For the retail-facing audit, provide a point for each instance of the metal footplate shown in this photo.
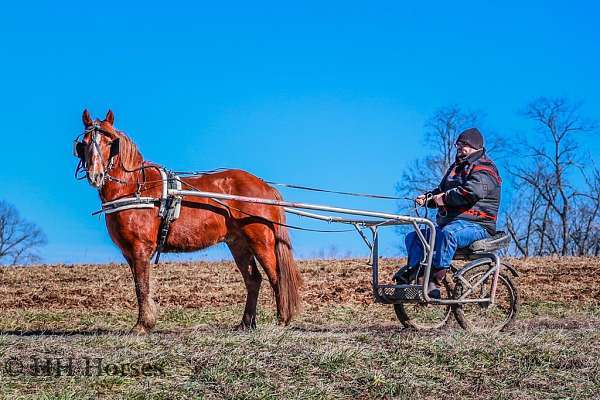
(390, 294)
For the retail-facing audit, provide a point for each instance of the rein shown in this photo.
(428, 197)
(293, 186)
(271, 221)
(313, 189)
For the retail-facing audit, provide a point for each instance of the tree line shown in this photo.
(551, 185)
(20, 239)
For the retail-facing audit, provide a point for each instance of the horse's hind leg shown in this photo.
(246, 263)
(274, 255)
(264, 250)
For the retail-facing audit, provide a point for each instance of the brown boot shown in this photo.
(435, 282)
(432, 289)
(438, 275)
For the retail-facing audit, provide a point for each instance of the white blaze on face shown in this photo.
(96, 162)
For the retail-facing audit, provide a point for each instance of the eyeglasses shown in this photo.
(460, 144)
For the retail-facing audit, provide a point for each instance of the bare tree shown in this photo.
(19, 239)
(521, 221)
(585, 232)
(441, 131)
(548, 172)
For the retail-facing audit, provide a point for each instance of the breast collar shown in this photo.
(169, 181)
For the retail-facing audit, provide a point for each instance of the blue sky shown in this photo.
(331, 94)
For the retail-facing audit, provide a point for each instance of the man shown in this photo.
(467, 200)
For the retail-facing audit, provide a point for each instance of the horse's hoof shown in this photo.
(242, 327)
(139, 330)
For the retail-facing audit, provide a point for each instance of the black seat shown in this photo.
(499, 241)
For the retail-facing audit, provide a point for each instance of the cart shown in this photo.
(481, 293)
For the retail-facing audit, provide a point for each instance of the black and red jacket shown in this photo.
(471, 190)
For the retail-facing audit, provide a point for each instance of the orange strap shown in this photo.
(491, 171)
(479, 214)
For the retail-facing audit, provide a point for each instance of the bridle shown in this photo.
(80, 148)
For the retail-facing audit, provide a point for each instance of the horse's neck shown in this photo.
(123, 184)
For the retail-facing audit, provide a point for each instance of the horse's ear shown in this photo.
(87, 118)
(110, 117)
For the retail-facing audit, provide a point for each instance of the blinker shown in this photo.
(114, 148)
(79, 150)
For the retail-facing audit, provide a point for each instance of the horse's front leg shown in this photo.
(140, 268)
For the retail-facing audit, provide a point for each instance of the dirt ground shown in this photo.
(216, 284)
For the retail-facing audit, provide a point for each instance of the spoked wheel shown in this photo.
(486, 316)
(421, 316)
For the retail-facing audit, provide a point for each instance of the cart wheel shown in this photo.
(423, 316)
(483, 316)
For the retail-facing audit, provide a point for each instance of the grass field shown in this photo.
(342, 346)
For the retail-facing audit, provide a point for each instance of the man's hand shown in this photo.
(438, 199)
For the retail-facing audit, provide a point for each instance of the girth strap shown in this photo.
(170, 207)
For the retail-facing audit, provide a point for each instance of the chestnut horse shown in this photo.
(253, 232)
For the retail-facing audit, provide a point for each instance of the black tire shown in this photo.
(483, 316)
(421, 316)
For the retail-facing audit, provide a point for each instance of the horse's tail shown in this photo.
(290, 280)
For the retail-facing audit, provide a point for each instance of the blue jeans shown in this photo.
(454, 235)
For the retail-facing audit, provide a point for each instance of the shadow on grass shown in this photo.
(390, 329)
(60, 332)
(378, 329)
(549, 323)
(204, 328)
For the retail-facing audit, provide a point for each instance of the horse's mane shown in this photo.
(128, 152)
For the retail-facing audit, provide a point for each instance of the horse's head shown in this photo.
(101, 144)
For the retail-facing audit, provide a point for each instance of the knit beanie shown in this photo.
(472, 137)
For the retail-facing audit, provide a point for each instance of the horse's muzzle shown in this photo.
(96, 180)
